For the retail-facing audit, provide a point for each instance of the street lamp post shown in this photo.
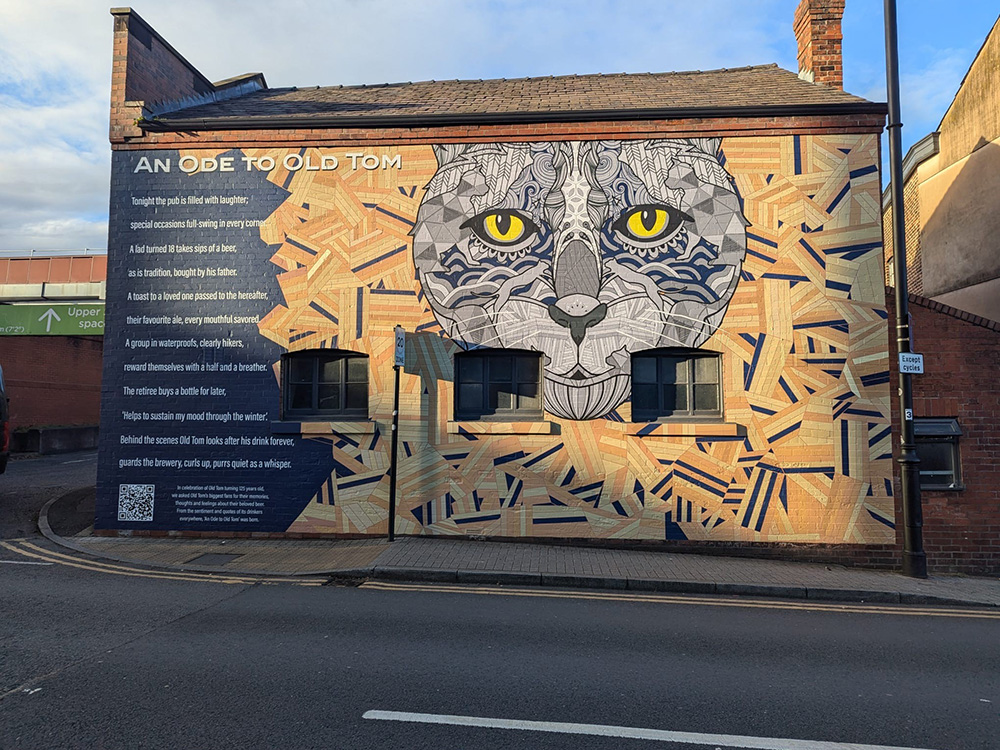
(914, 558)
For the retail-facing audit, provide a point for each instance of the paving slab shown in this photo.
(436, 559)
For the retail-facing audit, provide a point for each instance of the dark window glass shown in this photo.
(325, 383)
(499, 384)
(300, 370)
(331, 371)
(937, 449)
(672, 383)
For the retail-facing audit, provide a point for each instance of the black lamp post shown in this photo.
(914, 558)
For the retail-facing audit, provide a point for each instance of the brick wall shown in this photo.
(346, 137)
(817, 27)
(961, 360)
(912, 226)
(145, 70)
(52, 380)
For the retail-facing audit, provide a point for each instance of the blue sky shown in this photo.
(55, 62)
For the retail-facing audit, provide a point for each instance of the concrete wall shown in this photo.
(951, 203)
(960, 218)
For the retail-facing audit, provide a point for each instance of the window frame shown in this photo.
(314, 412)
(461, 411)
(688, 358)
(939, 431)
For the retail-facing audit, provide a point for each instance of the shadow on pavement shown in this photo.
(73, 512)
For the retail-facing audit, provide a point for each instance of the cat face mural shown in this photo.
(585, 251)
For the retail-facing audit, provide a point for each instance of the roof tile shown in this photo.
(754, 86)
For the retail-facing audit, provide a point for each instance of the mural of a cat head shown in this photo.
(585, 251)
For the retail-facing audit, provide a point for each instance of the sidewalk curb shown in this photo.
(544, 580)
(541, 580)
(347, 574)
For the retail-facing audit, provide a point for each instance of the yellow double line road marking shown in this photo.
(654, 598)
(27, 549)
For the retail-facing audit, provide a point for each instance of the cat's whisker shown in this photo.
(672, 320)
(495, 324)
(670, 315)
(682, 326)
(658, 331)
(644, 342)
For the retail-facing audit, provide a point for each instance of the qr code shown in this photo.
(135, 502)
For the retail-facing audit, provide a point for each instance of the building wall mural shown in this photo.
(764, 249)
(584, 251)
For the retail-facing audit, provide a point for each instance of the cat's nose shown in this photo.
(578, 312)
(577, 270)
(576, 305)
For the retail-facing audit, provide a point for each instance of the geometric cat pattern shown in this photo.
(804, 453)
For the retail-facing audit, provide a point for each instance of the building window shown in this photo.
(498, 384)
(937, 448)
(676, 384)
(325, 383)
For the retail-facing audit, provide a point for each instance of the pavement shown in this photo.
(449, 560)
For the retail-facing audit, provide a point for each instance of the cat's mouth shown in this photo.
(579, 376)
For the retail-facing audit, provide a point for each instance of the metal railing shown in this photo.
(42, 254)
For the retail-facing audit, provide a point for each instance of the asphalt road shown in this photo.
(29, 483)
(123, 659)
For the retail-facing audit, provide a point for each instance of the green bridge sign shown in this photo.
(52, 320)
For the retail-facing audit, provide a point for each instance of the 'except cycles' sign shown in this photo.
(52, 320)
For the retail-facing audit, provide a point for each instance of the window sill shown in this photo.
(942, 487)
(350, 427)
(686, 429)
(540, 427)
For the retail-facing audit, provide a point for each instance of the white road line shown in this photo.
(632, 733)
(21, 562)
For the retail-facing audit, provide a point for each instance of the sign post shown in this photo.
(399, 359)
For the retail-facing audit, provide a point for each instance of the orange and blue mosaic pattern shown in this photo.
(804, 451)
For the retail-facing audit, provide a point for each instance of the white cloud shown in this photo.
(927, 92)
(55, 69)
(55, 63)
(63, 233)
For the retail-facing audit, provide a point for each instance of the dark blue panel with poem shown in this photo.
(189, 390)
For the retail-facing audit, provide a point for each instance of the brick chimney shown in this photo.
(818, 33)
(149, 77)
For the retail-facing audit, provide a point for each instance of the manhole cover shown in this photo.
(213, 558)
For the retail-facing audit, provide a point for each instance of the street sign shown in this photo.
(400, 358)
(52, 320)
(911, 364)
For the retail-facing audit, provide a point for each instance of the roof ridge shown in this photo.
(394, 84)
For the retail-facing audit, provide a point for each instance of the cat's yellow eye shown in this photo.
(647, 223)
(504, 227)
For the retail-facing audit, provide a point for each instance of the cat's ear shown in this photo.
(448, 153)
(708, 146)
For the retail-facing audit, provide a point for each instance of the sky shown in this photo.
(55, 66)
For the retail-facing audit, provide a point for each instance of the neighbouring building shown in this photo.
(956, 402)
(951, 184)
(636, 307)
(51, 343)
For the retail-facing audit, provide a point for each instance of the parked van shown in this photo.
(4, 425)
